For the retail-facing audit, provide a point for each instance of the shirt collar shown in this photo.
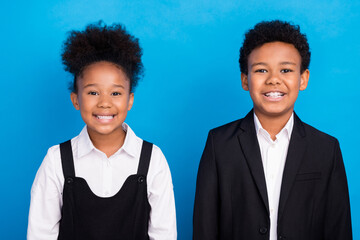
(130, 144)
(85, 145)
(287, 129)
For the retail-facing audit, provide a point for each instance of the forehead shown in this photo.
(103, 74)
(275, 52)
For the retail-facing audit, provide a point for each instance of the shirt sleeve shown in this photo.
(162, 223)
(46, 201)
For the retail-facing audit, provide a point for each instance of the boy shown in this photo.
(269, 175)
(106, 183)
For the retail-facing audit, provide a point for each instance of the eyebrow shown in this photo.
(94, 85)
(264, 64)
(257, 64)
(119, 86)
(288, 63)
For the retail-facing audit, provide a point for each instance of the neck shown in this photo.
(273, 124)
(108, 143)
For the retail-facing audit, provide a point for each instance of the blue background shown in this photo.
(191, 84)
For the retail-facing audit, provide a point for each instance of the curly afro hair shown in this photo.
(99, 42)
(272, 31)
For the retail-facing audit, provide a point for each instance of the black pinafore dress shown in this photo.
(85, 216)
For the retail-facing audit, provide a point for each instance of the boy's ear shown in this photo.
(304, 79)
(131, 101)
(74, 100)
(244, 82)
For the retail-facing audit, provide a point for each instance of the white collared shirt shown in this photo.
(273, 155)
(105, 176)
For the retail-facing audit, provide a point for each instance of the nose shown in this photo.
(273, 79)
(104, 101)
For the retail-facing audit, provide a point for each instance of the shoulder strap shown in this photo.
(145, 158)
(67, 160)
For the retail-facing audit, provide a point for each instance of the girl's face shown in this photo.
(103, 98)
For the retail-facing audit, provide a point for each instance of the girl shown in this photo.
(105, 183)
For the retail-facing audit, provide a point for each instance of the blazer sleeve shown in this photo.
(338, 220)
(205, 221)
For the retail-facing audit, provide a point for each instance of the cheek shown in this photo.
(254, 86)
(121, 104)
(86, 102)
(82, 101)
(297, 84)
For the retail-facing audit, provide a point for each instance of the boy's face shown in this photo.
(274, 79)
(103, 98)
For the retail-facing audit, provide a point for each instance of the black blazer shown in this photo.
(231, 198)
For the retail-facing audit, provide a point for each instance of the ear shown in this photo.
(304, 79)
(244, 82)
(74, 100)
(131, 101)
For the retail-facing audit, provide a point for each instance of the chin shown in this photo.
(274, 112)
(279, 113)
(104, 130)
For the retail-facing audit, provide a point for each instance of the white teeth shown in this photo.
(105, 117)
(274, 94)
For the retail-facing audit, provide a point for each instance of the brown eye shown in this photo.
(116, 93)
(286, 70)
(93, 93)
(261, 70)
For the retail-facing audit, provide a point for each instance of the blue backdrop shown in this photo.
(191, 84)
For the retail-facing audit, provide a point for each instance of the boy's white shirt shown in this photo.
(46, 192)
(273, 155)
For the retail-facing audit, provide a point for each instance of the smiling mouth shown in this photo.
(274, 94)
(105, 117)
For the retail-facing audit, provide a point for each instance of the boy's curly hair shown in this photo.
(99, 42)
(272, 31)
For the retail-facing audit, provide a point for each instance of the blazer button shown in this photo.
(263, 230)
(69, 180)
(141, 179)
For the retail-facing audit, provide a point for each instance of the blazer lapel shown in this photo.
(296, 150)
(250, 147)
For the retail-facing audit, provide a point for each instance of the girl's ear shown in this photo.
(74, 100)
(244, 82)
(131, 101)
(304, 79)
